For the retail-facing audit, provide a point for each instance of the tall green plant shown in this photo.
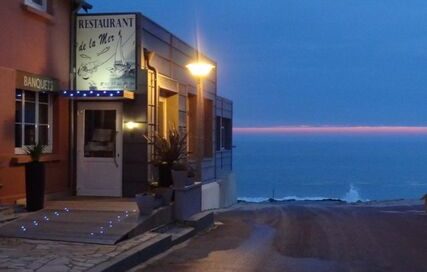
(35, 151)
(170, 149)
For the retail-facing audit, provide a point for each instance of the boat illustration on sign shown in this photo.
(86, 70)
(121, 66)
(121, 72)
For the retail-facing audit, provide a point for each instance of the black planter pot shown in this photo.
(34, 185)
(165, 175)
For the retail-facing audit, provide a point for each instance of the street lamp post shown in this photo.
(199, 70)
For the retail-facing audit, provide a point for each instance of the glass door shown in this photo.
(99, 147)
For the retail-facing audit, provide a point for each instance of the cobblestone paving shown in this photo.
(43, 256)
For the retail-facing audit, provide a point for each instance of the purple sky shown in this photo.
(307, 62)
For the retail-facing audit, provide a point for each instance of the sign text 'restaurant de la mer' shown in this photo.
(106, 22)
(106, 51)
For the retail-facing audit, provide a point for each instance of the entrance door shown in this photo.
(99, 149)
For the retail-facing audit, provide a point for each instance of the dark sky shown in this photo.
(307, 62)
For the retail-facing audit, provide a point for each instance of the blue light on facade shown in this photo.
(92, 93)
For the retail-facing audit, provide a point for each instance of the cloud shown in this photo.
(335, 130)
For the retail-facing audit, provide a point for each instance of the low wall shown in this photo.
(210, 196)
(228, 193)
(219, 194)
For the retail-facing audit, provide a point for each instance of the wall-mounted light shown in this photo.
(131, 125)
(200, 69)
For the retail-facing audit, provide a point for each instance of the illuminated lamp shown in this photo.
(200, 69)
(131, 125)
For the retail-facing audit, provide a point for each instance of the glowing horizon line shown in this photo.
(412, 130)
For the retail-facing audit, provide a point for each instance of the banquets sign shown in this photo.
(106, 52)
(33, 82)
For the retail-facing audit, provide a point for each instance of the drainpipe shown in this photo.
(148, 56)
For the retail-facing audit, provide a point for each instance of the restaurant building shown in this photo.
(34, 67)
(92, 105)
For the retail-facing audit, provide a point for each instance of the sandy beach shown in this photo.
(307, 236)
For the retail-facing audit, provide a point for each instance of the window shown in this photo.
(37, 4)
(208, 129)
(163, 128)
(218, 128)
(100, 133)
(33, 120)
(224, 133)
(227, 134)
(192, 124)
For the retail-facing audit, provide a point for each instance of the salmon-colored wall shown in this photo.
(36, 44)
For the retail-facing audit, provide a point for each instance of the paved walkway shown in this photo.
(296, 237)
(78, 231)
(37, 255)
(97, 227)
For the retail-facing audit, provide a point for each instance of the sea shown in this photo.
(316, 167)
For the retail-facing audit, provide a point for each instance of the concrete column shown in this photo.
(200, 120)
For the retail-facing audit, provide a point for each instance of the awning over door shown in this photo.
(98, 95)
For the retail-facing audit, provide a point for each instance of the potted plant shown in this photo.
(165, 193)
(183, 175)
(35, 177)
(180, 175)
(145, 202)
(168, 150)
(191, 174)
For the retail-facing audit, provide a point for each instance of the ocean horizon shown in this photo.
(315, 167)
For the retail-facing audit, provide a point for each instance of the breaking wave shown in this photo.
(351, 196)
(286, 198)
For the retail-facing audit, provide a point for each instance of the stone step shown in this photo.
(163, 239)
(201, 221)
(7, 213)
(6, 210)
(179, 233)
(7, 218)
(157, 244)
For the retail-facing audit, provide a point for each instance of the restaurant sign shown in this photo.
(106, 52)
(33, 82)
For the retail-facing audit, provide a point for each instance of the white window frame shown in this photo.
(49, 147)
(42, 7)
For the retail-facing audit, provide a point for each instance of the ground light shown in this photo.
(101, 230)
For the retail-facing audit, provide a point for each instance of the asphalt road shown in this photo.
(313, 237)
